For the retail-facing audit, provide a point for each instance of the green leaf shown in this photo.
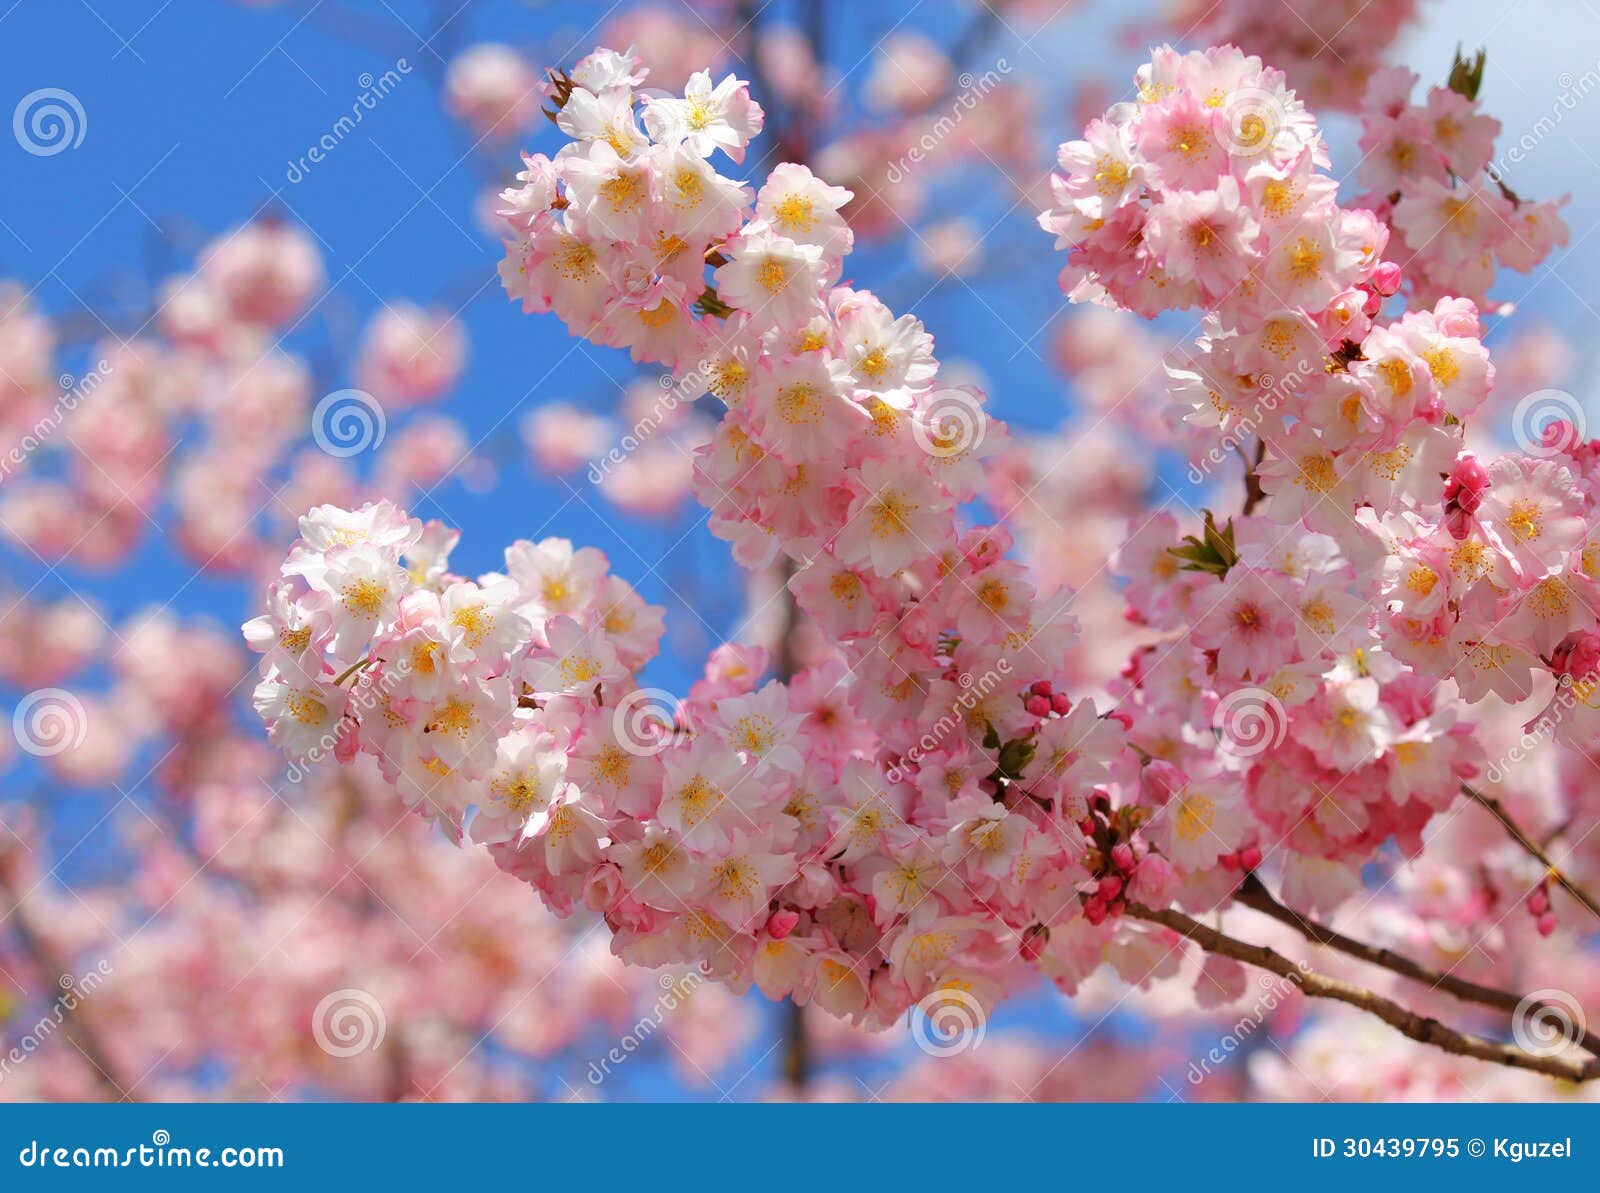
(1015, 756)
(1213, 552)
(709, 304)
(1466, 74)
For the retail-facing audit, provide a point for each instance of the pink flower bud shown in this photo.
(1539, 902)
(1033, 942)
(1160, 779)
(1547, 923)
(1110, 887)
(781, 922)
(1250, 858)
(1061, 704)
(1041, 687)
(1154, 881)
(1094, 911)
(603, 887)
(1560, 435)
(1386, 278)
(1037, 706)
(1122, 856)
(1577, 655)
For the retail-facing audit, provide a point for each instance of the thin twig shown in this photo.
(79, 1031)
(1254, 494)
(1254, 895)
(796, 1048)
(1534, 849)
(1421, 1028)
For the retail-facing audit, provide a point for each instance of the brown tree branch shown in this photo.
(1533, 848)
(1418, 1027)
(80, 1033)
(1254, 494)
(796, 1049)
(1253, 894)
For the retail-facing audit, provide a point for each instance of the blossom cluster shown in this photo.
(1330, 48)
(929, 808)
(1376, 557)
(1427, 169)
(913, 812)
(207, 410)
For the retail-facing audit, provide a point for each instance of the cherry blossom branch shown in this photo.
(79, 1031)
(1533, 848)
(1254, 894)
(1254, 494)
(1423, 1029)
(796, 1048)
